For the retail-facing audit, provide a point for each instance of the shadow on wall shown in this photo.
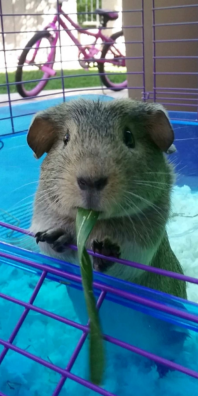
(20, 29)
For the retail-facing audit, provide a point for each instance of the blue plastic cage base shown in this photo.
(163, 320)
(137, 334)
(23, 113)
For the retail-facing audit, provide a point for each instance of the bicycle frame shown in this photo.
(93, 50)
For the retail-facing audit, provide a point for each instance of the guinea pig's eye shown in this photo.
(66, 138)
(129, 138)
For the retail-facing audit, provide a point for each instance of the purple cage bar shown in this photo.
(66, 373)
(167, 95)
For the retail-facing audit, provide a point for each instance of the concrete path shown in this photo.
(56, 93)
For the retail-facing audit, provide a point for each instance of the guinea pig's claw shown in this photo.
(97, 246)
(106, 248)
(57, 238)
(61, 243)
(40, 236)
(163, 370)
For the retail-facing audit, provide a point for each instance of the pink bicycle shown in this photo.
(111, 63)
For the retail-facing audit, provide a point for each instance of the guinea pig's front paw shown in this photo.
(57, 238)
(106, 248)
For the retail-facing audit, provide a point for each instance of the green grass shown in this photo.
(85, 80)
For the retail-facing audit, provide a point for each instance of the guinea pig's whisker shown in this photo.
(47, 197)
(193, 138)
(49, 184)
(177, 164)
(133, 205)
(162, 173)
(155, 207)
(143, 199)
(21, 200)
(157, 173)
(181, 169)
(52, 179)
(153, 182)
(149, 221)
(24, 185)
(148, 185)
(18, 188)
(42, 198)
(128, 216)
(176, 173)
(180, 127)
(142, 222)
(50, 203)
(48, 189)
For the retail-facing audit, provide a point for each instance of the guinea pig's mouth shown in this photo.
(95, 208)
(101, 214)
(91, 200)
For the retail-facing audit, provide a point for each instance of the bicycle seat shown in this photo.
(108, 15)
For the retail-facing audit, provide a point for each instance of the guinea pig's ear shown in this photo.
(160, 129)
(41, 135)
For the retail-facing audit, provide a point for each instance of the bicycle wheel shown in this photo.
(113, 72)
(37, 53)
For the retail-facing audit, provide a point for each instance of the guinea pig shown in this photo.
(108, 157)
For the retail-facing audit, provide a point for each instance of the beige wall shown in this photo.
(165, 49)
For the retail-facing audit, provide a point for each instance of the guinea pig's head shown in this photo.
(105, 156)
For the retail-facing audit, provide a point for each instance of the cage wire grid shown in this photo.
(43, 271)
(171, 97)
(11, 100)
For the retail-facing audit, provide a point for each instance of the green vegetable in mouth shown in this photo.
(85, 221)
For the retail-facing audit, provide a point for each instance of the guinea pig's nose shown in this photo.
(86, 183)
